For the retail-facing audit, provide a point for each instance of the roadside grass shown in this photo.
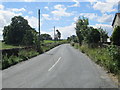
(48, 41)
(26, 54)
(103, 57)
(22, 56)
(52, 41)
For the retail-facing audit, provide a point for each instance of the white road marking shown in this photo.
(54, 64)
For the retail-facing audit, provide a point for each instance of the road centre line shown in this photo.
(54, 64)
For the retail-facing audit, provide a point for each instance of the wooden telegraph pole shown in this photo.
(39, 23)
(39, 47)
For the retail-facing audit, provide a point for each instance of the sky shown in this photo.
(63, 15)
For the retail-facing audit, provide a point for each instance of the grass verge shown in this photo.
(26, 54)
(108, 57)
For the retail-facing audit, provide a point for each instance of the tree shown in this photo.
(103, 35)
(80, 36)
(82, 29)
(115, 38)
(93, 36)
(58, 34)
(17, 31)
(28, 38)
(45, 37)
(73, 38)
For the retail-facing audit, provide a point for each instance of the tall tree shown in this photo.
(17, 31)
(58, 34)
(103, 35)
(82, 28)
(93, 36)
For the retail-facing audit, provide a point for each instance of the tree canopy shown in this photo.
(88, 34)
(58, 34)
(45, 37)
(18, 32)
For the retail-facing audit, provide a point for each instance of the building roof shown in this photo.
(115, 18)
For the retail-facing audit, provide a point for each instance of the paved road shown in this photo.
(61, 67)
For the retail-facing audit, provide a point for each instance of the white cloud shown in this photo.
(29, 0)
(93, 16)
(77, 4)
(1, 7)
(46, 16)
(67, 31)
(5, 19)
(106, 27)
(46, 8)
(60, 11)
(89, 15)
(32, 21)
(75, 19)
(17, 10)
(105, 18)
(30, 12)
(104, 6)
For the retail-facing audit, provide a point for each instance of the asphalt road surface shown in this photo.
(61, 67)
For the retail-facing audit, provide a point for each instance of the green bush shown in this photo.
(8, 61)
(22, 55)
(5, 62)
(107, 57)
(26, 54)
(114, 54)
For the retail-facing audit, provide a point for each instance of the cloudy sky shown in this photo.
(60, 14)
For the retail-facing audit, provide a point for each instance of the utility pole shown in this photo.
(39, 23)
(54, 33)
(39, 47)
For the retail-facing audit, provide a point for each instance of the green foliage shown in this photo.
(58, 34)
(26, 54)
(115, 38)
(48, 41)
(88, 34)
(93, 36)
(80, 36)
(7, 46)
(22, 55)
(45, 37)
(81, 28)
(103, 35)
(28, 38)
(108, 57)
(114, 53)
(17, 31)
(73, 38)
(8, 61)
(47, 44)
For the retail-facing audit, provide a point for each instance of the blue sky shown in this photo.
(63, 15)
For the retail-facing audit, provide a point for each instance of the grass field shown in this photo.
(51, 41)
(6, 46)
